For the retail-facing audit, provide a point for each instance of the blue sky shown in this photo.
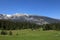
(50, 8)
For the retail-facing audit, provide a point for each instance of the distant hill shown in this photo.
(29, 18)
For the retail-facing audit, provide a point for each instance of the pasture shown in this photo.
(28, 34)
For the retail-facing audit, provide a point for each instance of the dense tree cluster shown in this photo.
(54, 26)
(10, 25)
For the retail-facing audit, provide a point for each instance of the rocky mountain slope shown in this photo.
(29, 18)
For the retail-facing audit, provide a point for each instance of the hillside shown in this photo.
(29, 18)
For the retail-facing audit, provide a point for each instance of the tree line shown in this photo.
(53, 26)
(10, 25)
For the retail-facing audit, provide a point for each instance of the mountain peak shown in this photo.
(29, 18)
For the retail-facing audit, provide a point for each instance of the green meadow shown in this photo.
(27, 34)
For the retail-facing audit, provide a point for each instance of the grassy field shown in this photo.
(32, 35)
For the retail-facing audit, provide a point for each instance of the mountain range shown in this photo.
(29, 18)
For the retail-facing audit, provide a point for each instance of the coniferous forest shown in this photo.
(10, 25)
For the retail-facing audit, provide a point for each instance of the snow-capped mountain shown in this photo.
(29, 18)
